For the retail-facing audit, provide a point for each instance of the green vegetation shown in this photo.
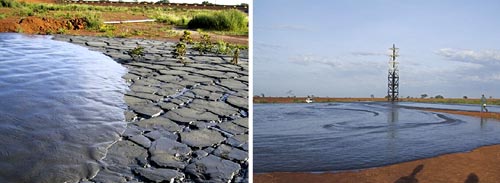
(180, 51)
(137, 52)
(40, 7)
(94, 21)
(106, 28)
(205, 45)
(61, 31)
(180, 48)
(19, 30)
(9, 3)
(137, 33)
(186, 37)
(221, 47)
(226, 20)
(2, 16)
(171, 19)
(236, 54)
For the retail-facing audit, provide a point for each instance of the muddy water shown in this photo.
(345, 136)
(61, 106)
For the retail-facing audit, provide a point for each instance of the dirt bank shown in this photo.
(480, 165)
(50, 20)
(468, 113)
(37, 25)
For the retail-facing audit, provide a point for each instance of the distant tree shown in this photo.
(387, 96)
(243, 4)
(465, 97)
(164, 1)
(439, 97)
(206, 3)
(407, 96)
(424, 95)
(372, 96)
(262, 95)
(491, 97)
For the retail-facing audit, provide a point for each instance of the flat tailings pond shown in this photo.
(61, 107)
(323, 137)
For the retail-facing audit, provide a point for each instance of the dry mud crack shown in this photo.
(186, 122)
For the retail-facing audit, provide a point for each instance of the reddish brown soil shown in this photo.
(258, 99)
(36, 25)
(150, 30)
(481, 165)
(468, 113)
(39, 1)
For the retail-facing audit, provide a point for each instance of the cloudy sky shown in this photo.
(340, 48)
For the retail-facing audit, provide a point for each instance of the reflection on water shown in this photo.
(343, 136)
(61, 106)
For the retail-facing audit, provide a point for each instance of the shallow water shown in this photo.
(61, 106)
(345, 136)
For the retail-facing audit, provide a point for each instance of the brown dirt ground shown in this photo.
(258, 99)
(39, 1)
(480, 165)
(149, 30)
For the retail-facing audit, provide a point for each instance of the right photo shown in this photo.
(376, 91)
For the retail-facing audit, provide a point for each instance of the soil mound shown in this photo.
(45, 25)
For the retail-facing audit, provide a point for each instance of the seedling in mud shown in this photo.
(137, 52)
(222, 47)
(180, 51)
(186, 37)
(205, 45)
(236, 54)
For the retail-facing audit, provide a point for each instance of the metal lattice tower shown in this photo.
(393, 78)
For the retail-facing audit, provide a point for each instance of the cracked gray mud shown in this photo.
(185, 122)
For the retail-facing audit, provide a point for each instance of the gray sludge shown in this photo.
(186, 122)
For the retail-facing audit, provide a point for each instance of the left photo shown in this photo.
(124, 91)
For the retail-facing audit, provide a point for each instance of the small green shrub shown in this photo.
(2, 16)
(222, 47)
(186, 37)
(180, 51)
(106, 28)
(61, 31)
(236, 54)
(19, 30)
(170, 19)
(49, 32)
(24, 11)
(226, 20)
(9, 3)
(137, 33)
(136, 52)
(93, 21)
(205, 45)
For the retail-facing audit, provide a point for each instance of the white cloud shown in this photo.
(284, 27)
(365, 53)
(463, 55)
(340, 63)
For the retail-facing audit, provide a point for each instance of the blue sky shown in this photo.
(340, 48)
